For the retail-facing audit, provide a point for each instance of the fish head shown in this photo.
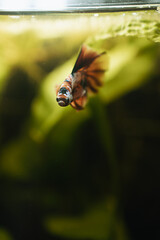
(64, 97)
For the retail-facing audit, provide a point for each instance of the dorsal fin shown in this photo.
(85, 58)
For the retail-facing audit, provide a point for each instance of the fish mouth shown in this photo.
(63, 101)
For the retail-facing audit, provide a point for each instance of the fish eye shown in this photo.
(63, 90)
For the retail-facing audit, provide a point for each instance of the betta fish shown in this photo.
(87, 76)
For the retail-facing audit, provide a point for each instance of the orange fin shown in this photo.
(95, 73)
(85, 58)
(93, 66)
(79, 103)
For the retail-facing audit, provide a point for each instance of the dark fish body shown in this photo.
(87, 76)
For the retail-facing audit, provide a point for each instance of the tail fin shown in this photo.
(94, 74)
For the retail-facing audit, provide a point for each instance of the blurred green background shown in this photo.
(93, 174)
